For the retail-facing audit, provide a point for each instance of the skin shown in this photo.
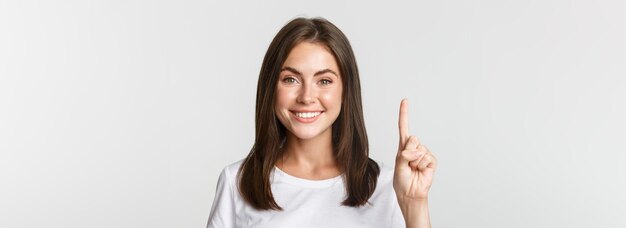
(413, 174)
(310, 80)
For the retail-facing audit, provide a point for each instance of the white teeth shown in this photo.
(307, 114)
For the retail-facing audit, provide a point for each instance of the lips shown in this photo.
(306, 116)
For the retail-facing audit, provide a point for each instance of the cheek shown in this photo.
(331, 98)
(283, 97)
(279, 107)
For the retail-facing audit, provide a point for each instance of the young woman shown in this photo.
(309, 165)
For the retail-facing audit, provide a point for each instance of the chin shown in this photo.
(306, 135)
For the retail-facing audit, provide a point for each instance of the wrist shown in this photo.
(410, 200)
(415, 211)
(413, 203)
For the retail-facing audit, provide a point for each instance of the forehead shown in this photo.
(311, 57)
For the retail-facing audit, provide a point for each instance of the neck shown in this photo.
(309, 155)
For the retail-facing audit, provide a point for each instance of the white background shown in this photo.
(123, 113)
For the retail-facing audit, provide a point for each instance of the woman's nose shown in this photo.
(307, 94)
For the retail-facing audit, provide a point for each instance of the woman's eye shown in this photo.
(325, 81)
(290, 80)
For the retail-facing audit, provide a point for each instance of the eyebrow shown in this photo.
(292, 70)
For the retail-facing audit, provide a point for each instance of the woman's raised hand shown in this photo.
(415, 164)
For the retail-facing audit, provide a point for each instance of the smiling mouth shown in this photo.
(307, 115)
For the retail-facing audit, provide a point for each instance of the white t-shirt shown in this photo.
(305, 203)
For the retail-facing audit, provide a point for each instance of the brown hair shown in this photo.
(349, 137)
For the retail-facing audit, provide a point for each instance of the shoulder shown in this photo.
(232, 168)
(386, 173)
(226, 199)
(229, 172)
(384, 184)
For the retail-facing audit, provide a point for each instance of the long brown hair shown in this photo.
(349, 138)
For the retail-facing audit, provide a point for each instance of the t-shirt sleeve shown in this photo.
(223, 210)
(397, 219)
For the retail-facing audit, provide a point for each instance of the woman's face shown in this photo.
(308, 94)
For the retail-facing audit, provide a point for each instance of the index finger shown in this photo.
(403, 120)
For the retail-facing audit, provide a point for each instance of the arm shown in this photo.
(413, 175)
(415, 213)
